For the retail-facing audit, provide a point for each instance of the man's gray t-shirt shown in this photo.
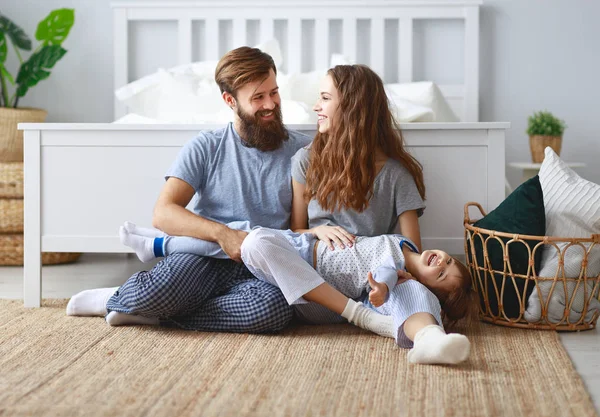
(234, 182)
(394, 192)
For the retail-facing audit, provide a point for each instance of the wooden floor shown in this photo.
(110, 270)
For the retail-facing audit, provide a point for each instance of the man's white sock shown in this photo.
(114, 318)
(90, 302)
(365, 318)
(142, 231)
(142, 245)
(433, 345)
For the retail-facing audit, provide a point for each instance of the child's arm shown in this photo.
(379, 291)
(386, 277)
(382, 281)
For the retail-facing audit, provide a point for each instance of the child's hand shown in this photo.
(378, 292)
(403, 276)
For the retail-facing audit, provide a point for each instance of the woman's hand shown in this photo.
(334, 235)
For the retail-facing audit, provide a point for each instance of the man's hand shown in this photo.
(378, 293)
(231, 242)
(404, 276)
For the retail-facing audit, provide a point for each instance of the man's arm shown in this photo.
(171, 216)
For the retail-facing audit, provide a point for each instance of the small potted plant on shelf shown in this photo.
(51, 32)
(544, 130)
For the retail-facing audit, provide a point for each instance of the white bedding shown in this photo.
(189, 94)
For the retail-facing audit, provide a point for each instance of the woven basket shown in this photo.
(537, 144)
(11, 179)
(485, 284)
(11, 252)
(11, 215)
(11, 138)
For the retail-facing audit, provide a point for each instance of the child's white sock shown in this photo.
(433, 345)
(142, 231)
(90, 302)
(142, 245)
(365, 318)
(114, 318)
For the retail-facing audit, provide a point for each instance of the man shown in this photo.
(240, 172)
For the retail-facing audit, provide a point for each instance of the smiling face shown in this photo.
(257, 111)
(259, 98)
(437, 269)
(327, 104)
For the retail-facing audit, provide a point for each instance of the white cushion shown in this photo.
(189, 94)
(302, 87)
(133, 118)
(406, 111)
(426, 94)
(572, 207)
(183, 94)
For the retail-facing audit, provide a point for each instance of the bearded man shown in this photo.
(241, 172)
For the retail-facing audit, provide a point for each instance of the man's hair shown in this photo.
(460, 302)
(241, 66)
(342, 171)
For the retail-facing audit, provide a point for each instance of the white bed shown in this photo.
(83, 180)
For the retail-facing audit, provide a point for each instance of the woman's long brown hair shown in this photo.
(342, 168)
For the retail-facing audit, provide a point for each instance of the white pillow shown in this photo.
(183, 94)
(426, 94)
(572, 207)
(133, 118)
(302, 87)
(405, 111)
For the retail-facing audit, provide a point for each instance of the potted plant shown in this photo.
(51, 32)
(544, 130)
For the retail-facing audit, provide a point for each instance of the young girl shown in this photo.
(347, 270)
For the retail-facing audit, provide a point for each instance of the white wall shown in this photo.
(535, 55)
(543, 54)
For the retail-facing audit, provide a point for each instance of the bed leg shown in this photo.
(32, 247)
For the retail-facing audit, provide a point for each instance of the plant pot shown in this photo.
(537, 144)
(11, 139)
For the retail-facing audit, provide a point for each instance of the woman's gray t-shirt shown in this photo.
(394, 192)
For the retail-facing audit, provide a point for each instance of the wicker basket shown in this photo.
(11, 138)
(486, 286)
(11, 252)
(537, 144)
(11, 215)
(11, 179)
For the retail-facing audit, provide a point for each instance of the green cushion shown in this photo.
(521, 212)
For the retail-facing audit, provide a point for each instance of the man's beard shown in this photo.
(262, 135)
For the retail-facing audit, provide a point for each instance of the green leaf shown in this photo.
(53, 30)
(7, 75)
(18, 37)
(37, 67)
(3, 48)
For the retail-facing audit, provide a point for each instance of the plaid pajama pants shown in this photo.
(207, 294)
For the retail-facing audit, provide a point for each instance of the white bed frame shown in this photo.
(83, 180)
